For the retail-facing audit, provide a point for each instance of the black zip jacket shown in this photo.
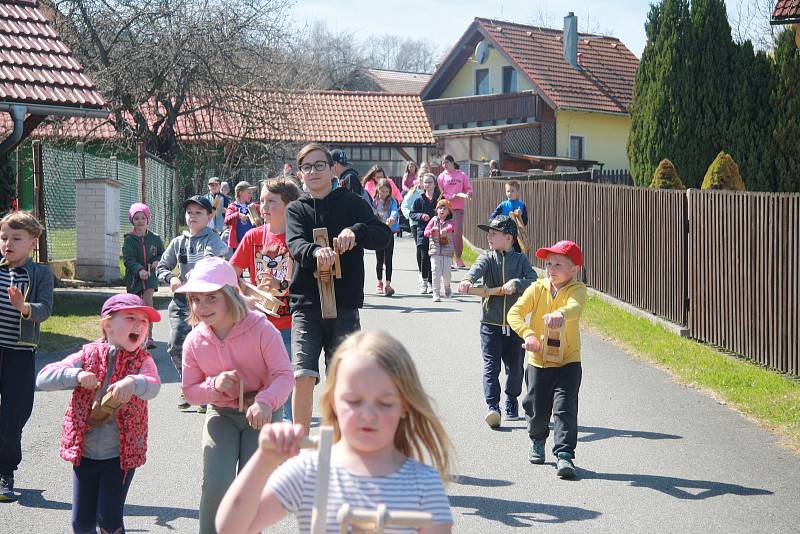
(339, 210)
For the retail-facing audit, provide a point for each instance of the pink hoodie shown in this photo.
(253, 348)
(454, 182)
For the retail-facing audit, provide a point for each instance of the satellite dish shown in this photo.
(481, 52)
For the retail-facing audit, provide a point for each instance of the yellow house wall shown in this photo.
(605, 136)
(463, 84)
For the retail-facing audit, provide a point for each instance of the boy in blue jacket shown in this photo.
(511, 203)
(500, 267)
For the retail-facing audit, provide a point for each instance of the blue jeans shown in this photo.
(506, 347)
(98, 495)
(286, 336)
(179, 328)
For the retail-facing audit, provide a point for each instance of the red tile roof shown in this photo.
(393, 81)
(786, 11)
(36, 66)
(605, 82)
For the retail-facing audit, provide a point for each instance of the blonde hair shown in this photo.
(419, 432)
(23, 220)
(237, 306)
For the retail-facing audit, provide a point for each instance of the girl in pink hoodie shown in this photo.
(235, 362)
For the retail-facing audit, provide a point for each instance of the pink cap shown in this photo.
(565, 248)
(129, 302)
(136, 208)
(210, 274)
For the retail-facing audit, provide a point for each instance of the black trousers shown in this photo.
(17, 383)
(384, 257)
(99, 491)
(424, 261)
(554, 390)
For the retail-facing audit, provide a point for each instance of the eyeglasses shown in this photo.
(318, 166)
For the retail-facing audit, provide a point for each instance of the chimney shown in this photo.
(571, 40)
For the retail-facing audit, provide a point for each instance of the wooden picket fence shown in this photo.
(724, 264)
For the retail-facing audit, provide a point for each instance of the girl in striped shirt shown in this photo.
(383, 425)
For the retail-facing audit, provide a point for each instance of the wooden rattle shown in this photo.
(364, 521)
(483, 291)
(103, 410)
(326, 273)
(522, 230)
(323, 444)
(553, 344)
(266, 302)
(252, 214)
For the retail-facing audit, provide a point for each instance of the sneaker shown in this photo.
(565, 467)
(379, 289)
(388, 290)
(151, 344)
(202, 408)
(512, 410)
(423, 287)
(536, 454)
(428, 287)
(493, 416)
(436, 297)
(182, 404)
(7, 489)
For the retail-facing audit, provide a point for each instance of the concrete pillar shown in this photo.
(97, 219)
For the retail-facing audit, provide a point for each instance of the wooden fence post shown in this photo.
(142, 171)
(38, 193)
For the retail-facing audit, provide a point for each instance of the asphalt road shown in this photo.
(653, 456)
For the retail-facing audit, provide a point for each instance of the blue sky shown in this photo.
(443, 21)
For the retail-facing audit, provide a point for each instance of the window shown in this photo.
(482, 82)
(575, 147)
(509, 80)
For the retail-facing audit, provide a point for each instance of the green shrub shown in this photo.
(723, 173)
(666, 177)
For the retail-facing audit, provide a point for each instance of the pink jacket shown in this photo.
(409, 181)
(454, 182)
(396, 194)
(253, 348)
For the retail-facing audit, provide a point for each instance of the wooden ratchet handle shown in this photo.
(397, 519)
(305, 443)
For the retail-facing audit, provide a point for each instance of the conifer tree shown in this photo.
(666, 177)
(723, 173)
(786, 109)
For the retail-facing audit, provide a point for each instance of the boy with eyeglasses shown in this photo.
(353, 222)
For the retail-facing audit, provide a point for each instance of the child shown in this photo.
(229, 345)
(352, 221)
(237, 216)
(26, 300)
(106, 454)
(441, 247)
(199, 241)
(264, 252)
(500, 267)
(141, 251)
(511, 203)
(422, 210)
(455, 187)
(410, 178)
(370, 183)
(553, 386)
(494, 168)
(384, 426)
(219, 204)
(387, 211)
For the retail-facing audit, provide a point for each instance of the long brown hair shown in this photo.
(375, 169)
(419, 434)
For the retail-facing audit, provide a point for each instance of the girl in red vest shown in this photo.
(105, 453)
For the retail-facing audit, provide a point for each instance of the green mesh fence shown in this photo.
(60, 169)
(160, 197)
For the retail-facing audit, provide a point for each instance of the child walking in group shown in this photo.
(439, 232)
(553, 384)
(26, 300)
(386, 209)
(199, 241)
(422, 211)
(237, 216)
(500, 267)
(141, 252)
(384, 427)
(105, 452)
(511, 203)
(234, 362)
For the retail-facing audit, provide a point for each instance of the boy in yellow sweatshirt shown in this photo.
(553, 386)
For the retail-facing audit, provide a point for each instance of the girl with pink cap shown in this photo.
(234, 361)
(141, 252)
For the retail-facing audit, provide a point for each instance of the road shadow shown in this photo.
(680, 488)
(596, 433)
(409, 309)
(520, 514)
(506, 428)
(466, 480)
(34, 498)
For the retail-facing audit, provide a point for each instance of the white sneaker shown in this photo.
(436, 297)
(423, 287)
(492, 417)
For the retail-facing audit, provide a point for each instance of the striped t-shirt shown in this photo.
(414, 487)
(10, 318)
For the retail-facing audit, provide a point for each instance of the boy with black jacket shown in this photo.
(502, 267)
(348, 218)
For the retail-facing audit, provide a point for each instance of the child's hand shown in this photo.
(281, 440)
(154, 265)
(87, 380)
(463, 286)
(509, 288)
(266, 279)
(425, 217)
(434, 231)
(123, 390)
(16, 298)
(532, 344)
(258, 415)
(325, 255)
(554, 320)
(390, 221)
(346, 240)
(227, 382)
(175, 283)
(144, 274)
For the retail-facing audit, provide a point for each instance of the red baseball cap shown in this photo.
(129, 301)
(566, 248)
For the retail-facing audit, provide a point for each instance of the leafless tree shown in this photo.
(752, 23)
(397, 53)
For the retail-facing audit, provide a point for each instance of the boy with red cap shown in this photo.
(553, 302)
